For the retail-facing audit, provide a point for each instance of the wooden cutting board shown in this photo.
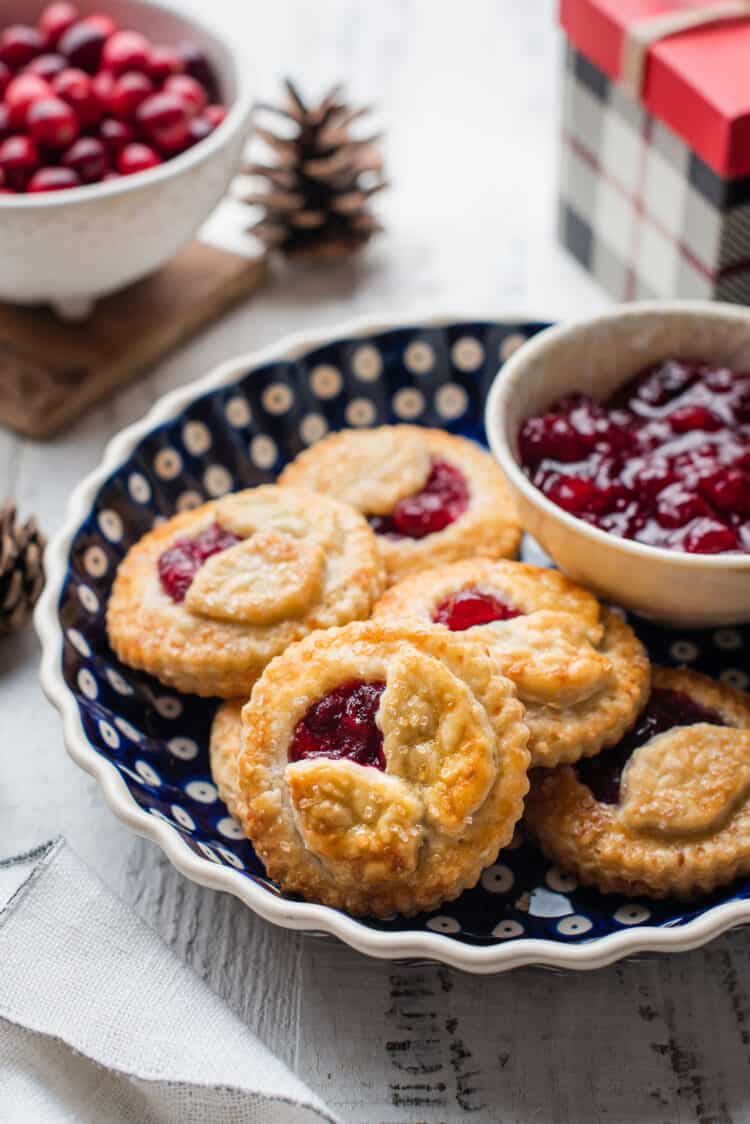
(51, 371)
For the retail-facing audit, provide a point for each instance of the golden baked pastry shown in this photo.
(378, 769)
(580, 671)
(431, 497)
(205, 600)
(665, 813)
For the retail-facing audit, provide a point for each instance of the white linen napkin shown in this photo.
(99, 1021)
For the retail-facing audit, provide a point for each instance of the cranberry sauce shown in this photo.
(444, 496)
(665, 461)
(602, 774)
(181, 561)
(342, 725)
(472, 606)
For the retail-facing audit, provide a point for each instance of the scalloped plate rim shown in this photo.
(305, 916)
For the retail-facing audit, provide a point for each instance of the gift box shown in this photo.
(655, 169)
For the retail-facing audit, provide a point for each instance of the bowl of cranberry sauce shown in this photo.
(627, 441)
(121, 125)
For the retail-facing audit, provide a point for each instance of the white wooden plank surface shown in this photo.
(468, 94)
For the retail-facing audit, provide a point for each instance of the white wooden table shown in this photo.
(469, 96)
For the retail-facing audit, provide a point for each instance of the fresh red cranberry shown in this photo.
(52, 123)
(53, 179)
(103, 23)
(126, 50)
(21, 94)
(88, 158)
(78, 89)
(188, 90)
(470, 607)
(687, 418)
(164, 121)
(47, 66)
(55, 21)
(116, 134)
(728, 489)
(164, 62)
(137, 158)
(6, 129)
(709, 536)
(82, 45)
(196, 64)
(342, 725)
(443, 497)
(215, 114)
(128, 91)
(676, 506)
(103, 83)
(573, 493)
(665, 710)
(200, 128)
(19, 44)
(19, 159)
(181, 561)
(6, 74)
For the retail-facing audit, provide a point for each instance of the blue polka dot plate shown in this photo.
(147, 745)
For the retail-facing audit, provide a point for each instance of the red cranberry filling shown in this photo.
(443, 497)
(472, 606)
(180, 562)
(665, 461)
(602, 774)
(342, 725)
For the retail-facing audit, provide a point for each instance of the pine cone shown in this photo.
(316, 203)
(21, 568)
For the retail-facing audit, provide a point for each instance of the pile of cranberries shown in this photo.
(84, 100)
(665, 461)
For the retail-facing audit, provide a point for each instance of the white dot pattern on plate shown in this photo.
(511, 344)
(367, 364)
(360, 412)
(110, 525)
(467, 354)
(158, 738)
(326, 381)
(196, 437)
(574, 925)
(238, 412)
(419, 357)
(168, 464)
(217, 480)
(408, 403)
(277, 398)
(497, 879)
(444, 924)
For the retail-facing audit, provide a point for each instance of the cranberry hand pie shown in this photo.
(376, 768)
(205, 600)
(431, 497)
(579, 669)
(666, 812)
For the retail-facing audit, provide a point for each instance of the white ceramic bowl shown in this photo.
(596, 356)
(69, 248)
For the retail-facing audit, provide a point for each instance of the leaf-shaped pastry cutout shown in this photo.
(358, 821)
(437, 736)
(266, 508)
(383, 467)
(686, 780)
(266, 578)
(550, 660)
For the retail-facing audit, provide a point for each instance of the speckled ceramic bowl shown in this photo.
(147, 745)
(69, 248)
(596, 356)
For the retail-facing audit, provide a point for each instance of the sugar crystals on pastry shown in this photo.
(667, 811)
(431, 497)
(378, 769)
(205, 600)
(579, 669)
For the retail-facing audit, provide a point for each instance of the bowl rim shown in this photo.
(483, 959)
(235, 119)
(513, 371)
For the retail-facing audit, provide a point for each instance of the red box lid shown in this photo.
(695, 81)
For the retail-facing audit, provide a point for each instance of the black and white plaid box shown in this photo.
(638, 208)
